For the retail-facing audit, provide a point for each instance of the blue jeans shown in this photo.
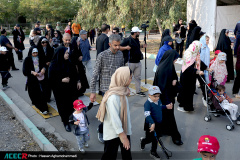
(83, 138)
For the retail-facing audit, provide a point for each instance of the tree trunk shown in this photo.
(159, 26)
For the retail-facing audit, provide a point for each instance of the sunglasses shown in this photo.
(55, 33)
(44, 42)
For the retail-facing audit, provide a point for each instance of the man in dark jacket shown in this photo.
(4, 41)
(4, 67)
(103, 40)
(18, 38)
(132, 55)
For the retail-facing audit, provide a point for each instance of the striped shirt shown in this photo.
(106, 64)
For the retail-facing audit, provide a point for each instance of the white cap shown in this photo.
(3, 48)
(222, 56)
(136, 29)
(34, 50)
(44, 40)
(153, 90)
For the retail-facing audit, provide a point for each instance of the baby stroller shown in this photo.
(214, 107)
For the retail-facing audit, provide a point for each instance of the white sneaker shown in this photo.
(86, 145)
(81, 150)
(204, 102)
(181, 109)
(236, 95)
(44, 112)
(5, 87)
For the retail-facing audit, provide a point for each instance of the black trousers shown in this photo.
(179, 47)
(202, 86)
(11, 59)
(236, 84)
(150, 137)
(20, 55)
(76, 35)
(92, 39)
(36, 93)
(5, 77)
(111, 150)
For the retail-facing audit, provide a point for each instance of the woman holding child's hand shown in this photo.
(166, 79)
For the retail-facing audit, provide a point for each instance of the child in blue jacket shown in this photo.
(153, 113)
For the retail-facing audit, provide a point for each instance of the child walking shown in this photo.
(153, 113)
(226, 102)
(4, 67)
(220, 69)
(80, 121)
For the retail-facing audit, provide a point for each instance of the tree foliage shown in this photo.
(33, 10)
(160, 13)
(92, 13)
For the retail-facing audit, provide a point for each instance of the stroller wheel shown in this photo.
(207, 118)
(216, 115)
(230, 127)
(238, 122)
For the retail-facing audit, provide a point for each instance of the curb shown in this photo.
(34, 132)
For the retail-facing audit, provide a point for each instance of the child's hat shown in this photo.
(208, 143)
(154, 90)
(78, 104)
(217, 52)
(34, 50)
(222, 56)
(3, 49)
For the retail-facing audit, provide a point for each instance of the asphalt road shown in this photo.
(190, 125)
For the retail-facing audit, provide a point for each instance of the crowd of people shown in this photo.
(57, 63)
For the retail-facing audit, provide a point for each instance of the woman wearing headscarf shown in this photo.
(195, 34)
(165, 33)
(180, 32)
(34, 68)
(64, 81)
(167, 46)
(190, 28)
(224, 44)
(76, 58)
(46, 51)
(220, 69)
(191, 68)
(166, 79)
(115, 115)
(57, 39)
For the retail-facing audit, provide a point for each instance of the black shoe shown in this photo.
(141, 94)
(100, 93)
(142, 146)
(155, 156)
(68, 128)
(15, 69)
(178, 142)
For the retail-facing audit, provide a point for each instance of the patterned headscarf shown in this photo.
(191, 55)
(220, 69)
